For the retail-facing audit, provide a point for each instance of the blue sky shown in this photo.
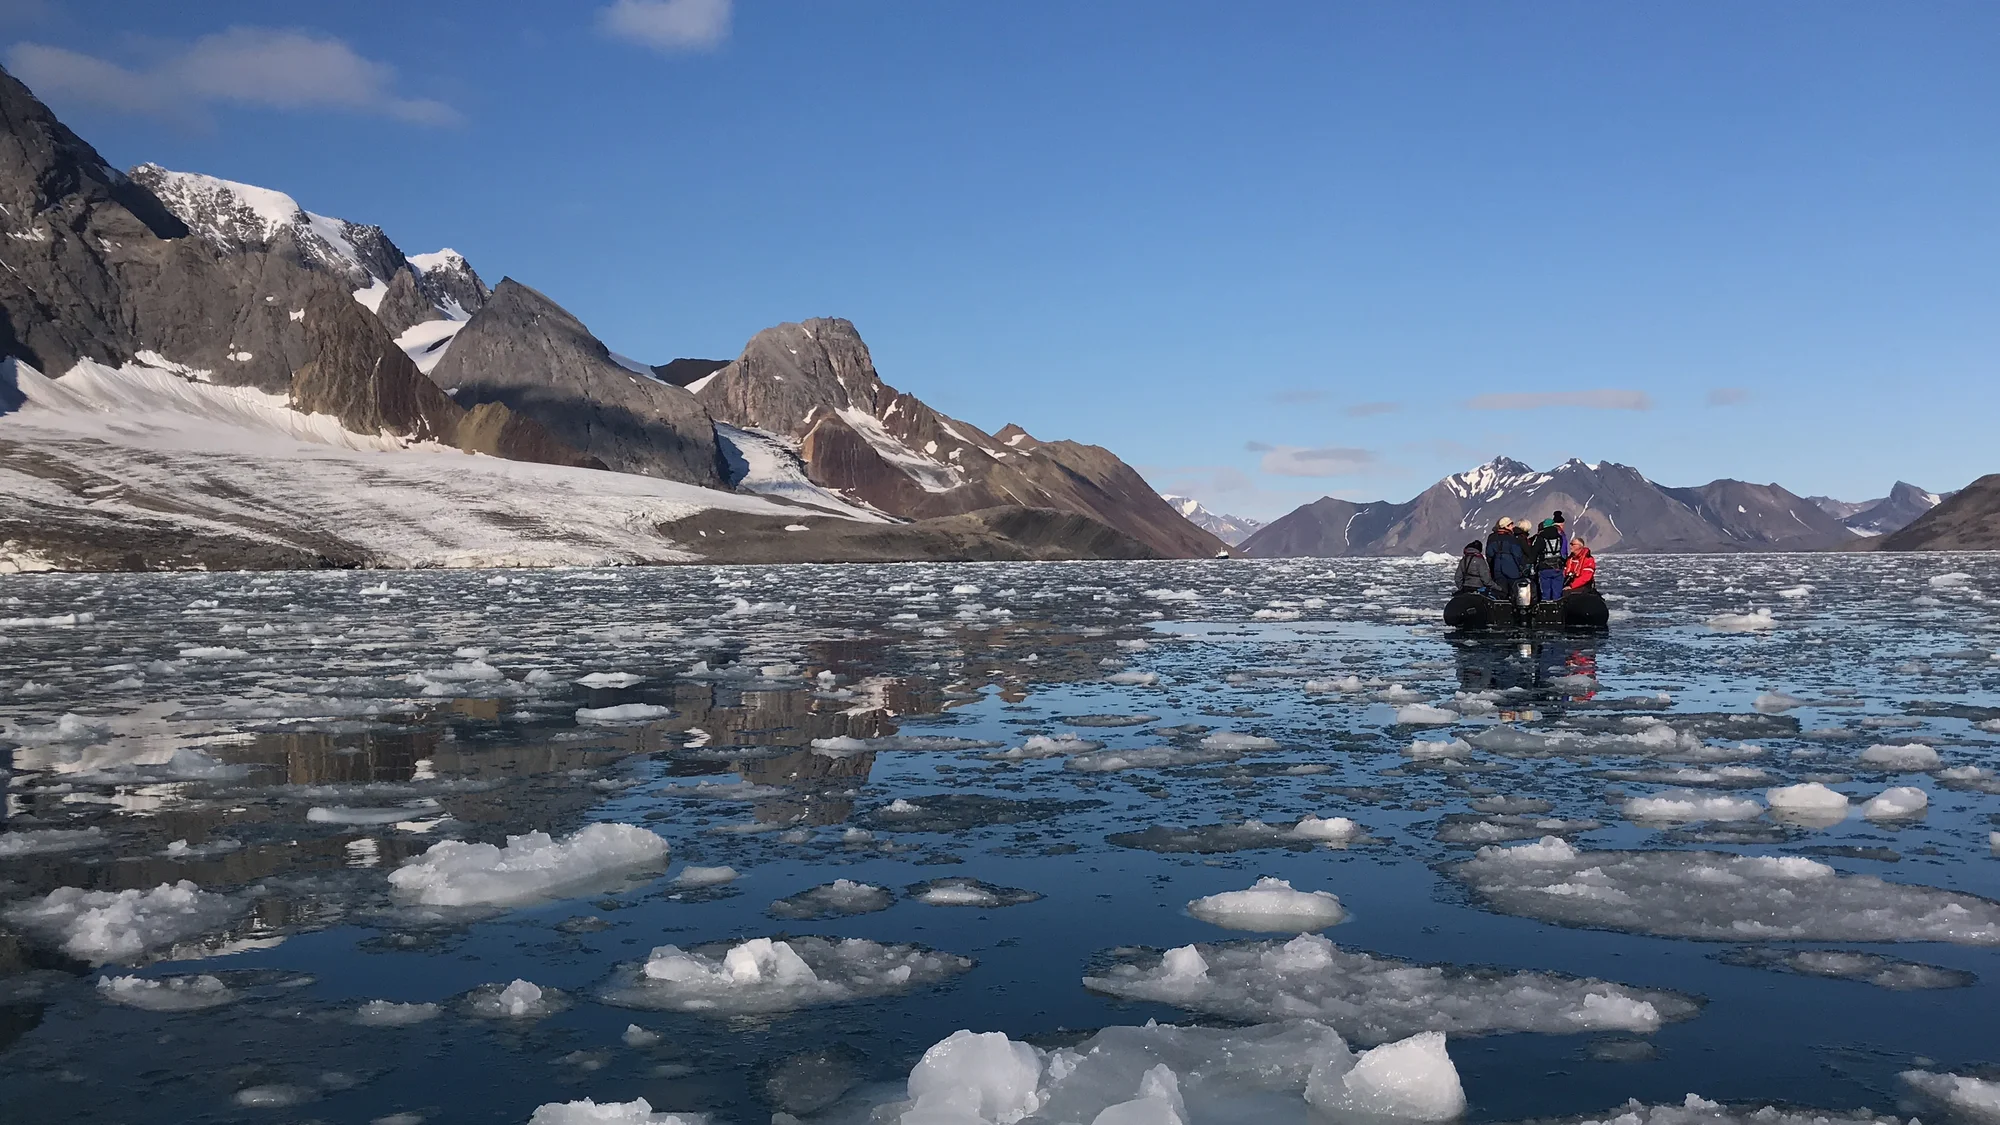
(1265, 251)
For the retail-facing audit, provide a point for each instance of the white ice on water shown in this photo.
(1045, 746)
(530, 867)
(516, 1000)
(1897, 803)
(1977, 1098)
(695, 876)
(1330, 829)
(587, 1112)
(1155, 1075)
(106, 926)
(842, 896)
(1688, 805)
(167, 994)
(1755, 621)
(1720, 897)
(1374, 999)
(623, 713)
(768, 975)
(1810, 798)
(1150, 758)
(1909, 757)
(1270, 906)
(389, 1013)
(39, 841)
(1696, 1110)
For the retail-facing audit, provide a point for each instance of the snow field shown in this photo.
(532, 866)
(1374, 999)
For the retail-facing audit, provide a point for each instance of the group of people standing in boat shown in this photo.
(1547, 558)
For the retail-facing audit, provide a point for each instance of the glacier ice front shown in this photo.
(1374, 999)
(1720, 897)
(1291, 1072)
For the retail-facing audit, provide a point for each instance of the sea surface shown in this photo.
(286, 742)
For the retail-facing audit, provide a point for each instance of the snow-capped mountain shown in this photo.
(238, 218)
(1232, 530)
(201, 373)
(1966, 520)
(1883, 516)
(1614, 507)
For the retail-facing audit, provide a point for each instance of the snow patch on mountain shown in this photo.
(1232, 530)
(769, 465)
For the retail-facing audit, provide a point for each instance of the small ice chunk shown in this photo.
(1423, 714)
(1910, 757)
(1689, 805)
(1231, 740)
(977, 1077)
(1978, 1098)
(1427, 749)
(636, 1036)
(342, 814)
(1757, 620)
(769, 975)
(518, 1000)
(1332, 829)
(1896, 803)
(531, 866)
(694, 876)
(106, 926)
(1270, 905)
(1133, 679)
(610, 680)
(623, 713)
(1777, 702)
(167, 994)
(389, 1013)
(1046, 746)
(1346, 685)
(40, 841)
(587, 1112)
(1412, 1079)
(1811, 797)
(832, 900)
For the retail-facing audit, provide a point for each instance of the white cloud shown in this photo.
(669, 25)
(1327, 461)
(248, 66)
(1542, 400)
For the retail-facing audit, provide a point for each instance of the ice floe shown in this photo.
(167, 994)
(1900, 802)
(1688, 805)
(623, 713)
(1810, 799)
(1907, 757)
(1158, 1075)
(40, 841)
(516, 1000)
(120, 926)
(1374, 999)
(1720, 897)
(1845, 964)
(530, 867)
(1976, 1098)
(1270, 905)
(1756, 620)
(1045, 746)
(587, 1112)
(1150, 758)
(1423, 714)
(389, 1013)
(961, 891)
(767, 975)
(832, 900)
(696, 876)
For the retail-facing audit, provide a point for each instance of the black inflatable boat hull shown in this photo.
(1578, 609)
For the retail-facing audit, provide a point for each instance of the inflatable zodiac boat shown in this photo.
(1577, 609)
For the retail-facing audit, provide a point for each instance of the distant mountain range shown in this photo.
(196, 372)
(1614, 507)
(1232, 530)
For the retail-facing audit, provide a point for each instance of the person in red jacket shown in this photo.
(1581, 570)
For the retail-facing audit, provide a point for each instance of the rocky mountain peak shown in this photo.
(450, 282)
(50, 175)
(236, 218)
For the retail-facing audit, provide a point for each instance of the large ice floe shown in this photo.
(1845, 964)
(1966, 1096)
(121, 926)
(1697, 1110)
(767, 975)
(1290, 1072)
(1721, 897)
(532, 866)
(1373, 999)
(1271, 905)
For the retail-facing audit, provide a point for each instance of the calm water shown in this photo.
(212, 713)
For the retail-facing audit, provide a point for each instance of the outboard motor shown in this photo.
(1524, 594)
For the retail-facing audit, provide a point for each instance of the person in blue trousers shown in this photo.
(1549, 558)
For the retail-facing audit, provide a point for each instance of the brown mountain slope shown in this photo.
(1968, 521)
(816, 384)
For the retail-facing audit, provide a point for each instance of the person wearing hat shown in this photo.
(1564, 528)
(1549, 556)
(1473, 574)
(1506, 562)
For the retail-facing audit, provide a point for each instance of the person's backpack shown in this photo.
(1548, 549)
